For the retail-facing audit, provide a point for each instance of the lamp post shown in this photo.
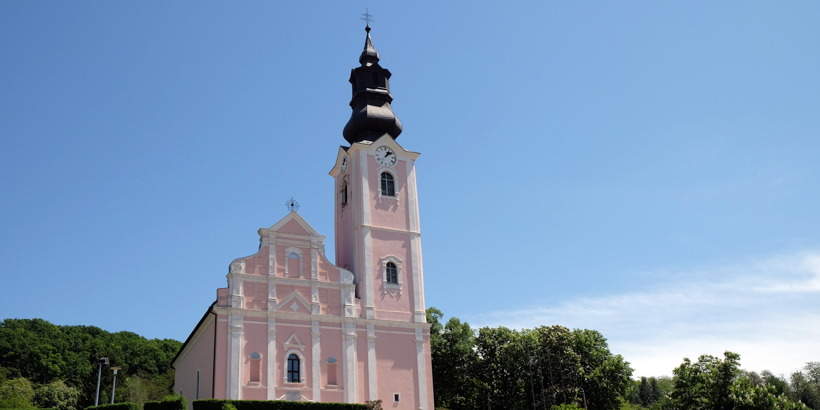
(103, 361)
(585, 397)
(114, 385)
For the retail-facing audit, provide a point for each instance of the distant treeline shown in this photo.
(45, 365)
(552, 367)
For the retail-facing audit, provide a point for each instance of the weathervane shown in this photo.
(292, 205)
(367, 17)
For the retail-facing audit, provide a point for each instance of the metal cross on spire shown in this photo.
(367, 17)
(292, 205)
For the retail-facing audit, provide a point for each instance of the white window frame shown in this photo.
(397, 262)
(302, 368)
(392, 173)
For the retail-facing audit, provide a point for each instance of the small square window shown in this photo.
(396, 398)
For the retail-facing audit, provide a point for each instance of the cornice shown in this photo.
(320, 318)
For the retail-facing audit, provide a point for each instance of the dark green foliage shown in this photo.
(167, 403)
(216, 404)
(115, 406)
(453, 344)
(650, 392)
(715, 384)
(501, 368)
(43, 353)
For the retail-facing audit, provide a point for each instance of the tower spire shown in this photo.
(372, 114)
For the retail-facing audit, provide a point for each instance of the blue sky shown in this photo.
(646, 169)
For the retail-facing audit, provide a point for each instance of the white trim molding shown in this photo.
(302, 370)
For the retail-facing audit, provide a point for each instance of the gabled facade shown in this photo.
(291, 325)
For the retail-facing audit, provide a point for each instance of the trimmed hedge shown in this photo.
(167, 403)
(216, 404)
(115, 406)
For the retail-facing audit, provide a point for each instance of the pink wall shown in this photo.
(400, 306)
(256, 295)
(200, 356)
(256, 340)
(258, 263)
(388, 214)
(327, 271)
(331, 346)
(221, 358)
(396, 357)
(283, 332)
(222, 297)
(344, 219)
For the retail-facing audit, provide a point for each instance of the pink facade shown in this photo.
(293, 326)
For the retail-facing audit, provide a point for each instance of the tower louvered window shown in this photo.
(392, 273)
(388, 188)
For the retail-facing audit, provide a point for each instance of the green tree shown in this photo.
(745, 396)
(16, 393)
(42, 353)
(454, 361)
(56, 395)
(715, 384)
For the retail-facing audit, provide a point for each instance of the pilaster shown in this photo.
(271, 373)
(350, 362)
(316, 357)
(372, 379)
(235, 342)
(420, 363)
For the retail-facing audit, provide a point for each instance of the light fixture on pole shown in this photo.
(585, 396)
(114, 385)
(103, 361)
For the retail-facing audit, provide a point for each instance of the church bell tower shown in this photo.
(376, 201)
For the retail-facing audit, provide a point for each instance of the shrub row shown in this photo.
(167, 403)
(216, 404)
(115, 406)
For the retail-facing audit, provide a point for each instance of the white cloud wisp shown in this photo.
(768, 311)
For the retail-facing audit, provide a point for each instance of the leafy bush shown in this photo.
(167, 403)
(216, 404)
(56, 395)
(115, 406)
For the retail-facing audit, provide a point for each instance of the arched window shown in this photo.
(392, 273)
(197, 384)
(388, 189)
(255, 370)
(375, 79)
(293, 368)
(331, 371)
(344, 193)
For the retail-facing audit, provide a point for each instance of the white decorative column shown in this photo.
(350, 362)
(421, 368)
(418, 293)
(365, 268)
(366, 274)
(316, 354)
(271, 358)
(235, 341)
(372, 380)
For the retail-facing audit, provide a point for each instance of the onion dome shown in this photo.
(372, 114)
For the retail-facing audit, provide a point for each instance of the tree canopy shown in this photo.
(60, 363)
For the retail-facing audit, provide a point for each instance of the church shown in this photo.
(291, 325)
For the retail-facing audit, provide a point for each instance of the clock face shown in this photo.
(344, 163)
(385, 156)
